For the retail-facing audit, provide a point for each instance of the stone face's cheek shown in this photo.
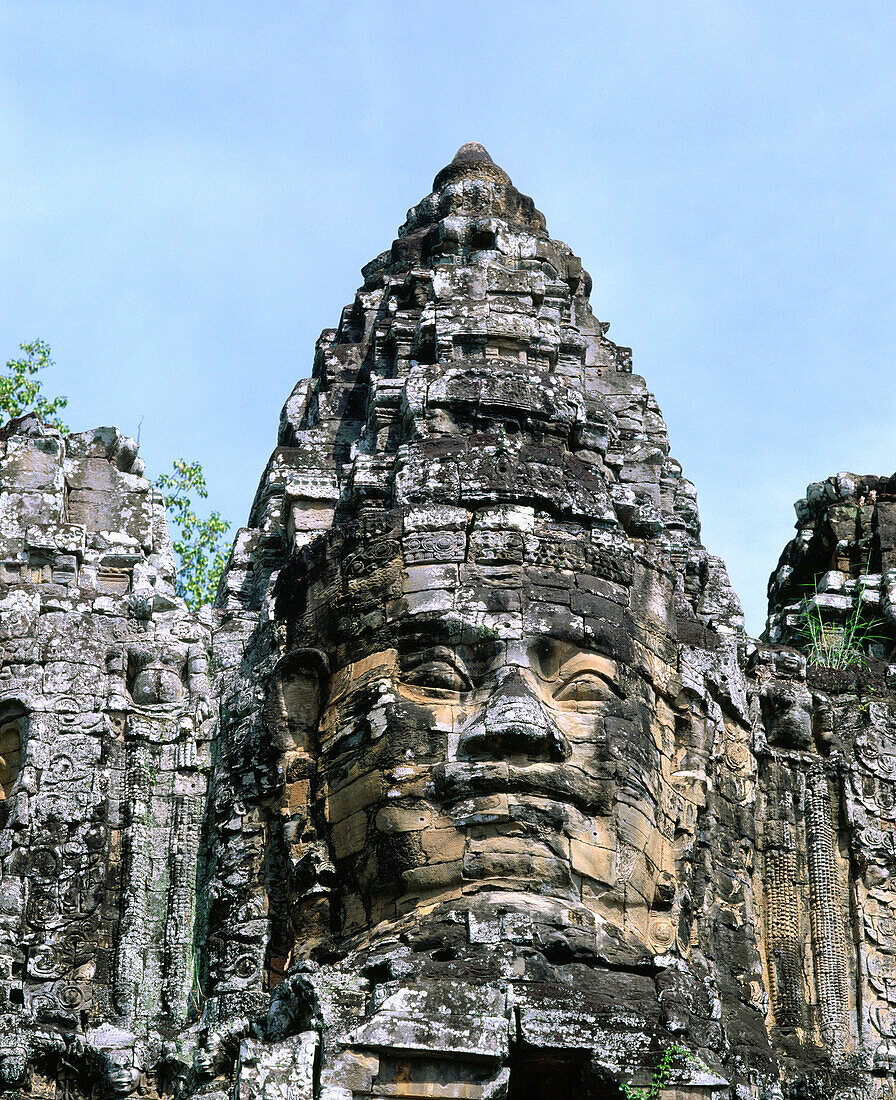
(586, 731)
(418, 732)
(389, 835)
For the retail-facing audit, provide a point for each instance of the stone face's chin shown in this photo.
(124, 1080)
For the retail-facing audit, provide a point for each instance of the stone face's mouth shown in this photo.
(591, 794)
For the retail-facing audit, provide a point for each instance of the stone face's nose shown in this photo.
(512, 722)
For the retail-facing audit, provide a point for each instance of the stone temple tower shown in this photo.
(485, 753)
(471, 784)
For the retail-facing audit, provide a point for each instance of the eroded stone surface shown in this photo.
(471, 784)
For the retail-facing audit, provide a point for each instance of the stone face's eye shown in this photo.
(435, 671)
(585, 687)
(436, 674)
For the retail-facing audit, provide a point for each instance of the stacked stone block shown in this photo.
(471, 784)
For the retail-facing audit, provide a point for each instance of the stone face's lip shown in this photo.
(559, 782)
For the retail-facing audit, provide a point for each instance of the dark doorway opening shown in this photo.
(538, 1073)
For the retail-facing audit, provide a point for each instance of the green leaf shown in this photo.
(20, 390)
(198, 543)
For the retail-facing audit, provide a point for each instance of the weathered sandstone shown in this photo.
(471, 784)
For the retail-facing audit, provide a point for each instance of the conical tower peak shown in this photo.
(471, 152)
(473, 187)
(471, 159)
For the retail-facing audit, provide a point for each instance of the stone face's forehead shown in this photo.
(452, 628)
(485, 578)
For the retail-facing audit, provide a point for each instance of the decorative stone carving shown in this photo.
(471, 784)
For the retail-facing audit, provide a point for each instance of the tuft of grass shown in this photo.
(838, 645)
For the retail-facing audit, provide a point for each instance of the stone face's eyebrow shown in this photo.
(448, 627)
(429, 651)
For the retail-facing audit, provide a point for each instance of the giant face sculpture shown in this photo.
(489, 755)
(489, 733)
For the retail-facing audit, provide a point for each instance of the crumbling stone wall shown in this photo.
(106, 725)
(840, 568)
(471, 784)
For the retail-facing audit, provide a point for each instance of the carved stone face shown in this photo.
(124, 1079)
(498, 744)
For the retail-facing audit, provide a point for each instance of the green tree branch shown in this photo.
(20, 388)
(198, 544)
(662, 1074)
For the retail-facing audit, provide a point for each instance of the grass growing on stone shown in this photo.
(837, 645)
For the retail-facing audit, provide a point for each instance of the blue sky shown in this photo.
(189, 190)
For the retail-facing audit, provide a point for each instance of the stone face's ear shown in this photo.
(296, 697)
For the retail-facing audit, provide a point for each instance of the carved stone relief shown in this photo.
(471, 784)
